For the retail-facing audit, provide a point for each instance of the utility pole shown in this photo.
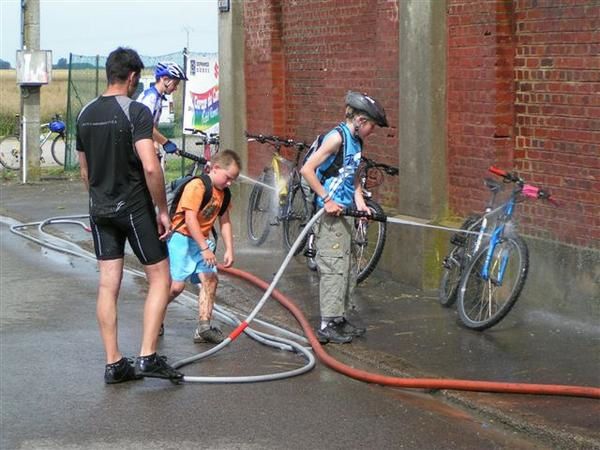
(30, 95)
(187, 33)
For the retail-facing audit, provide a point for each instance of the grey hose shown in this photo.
(261, 337)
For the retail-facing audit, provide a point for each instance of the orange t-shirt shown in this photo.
(191, 199)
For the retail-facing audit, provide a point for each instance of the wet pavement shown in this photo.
(409, 334)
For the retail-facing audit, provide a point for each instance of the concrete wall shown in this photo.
(232, 97)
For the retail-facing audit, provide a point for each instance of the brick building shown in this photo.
(466, 84)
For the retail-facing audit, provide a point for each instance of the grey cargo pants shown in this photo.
(336, 264)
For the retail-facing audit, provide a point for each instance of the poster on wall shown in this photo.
(202, 93)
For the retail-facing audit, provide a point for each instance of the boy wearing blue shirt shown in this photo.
(333, 231)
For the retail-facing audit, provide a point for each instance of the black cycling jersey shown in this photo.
(107, 129)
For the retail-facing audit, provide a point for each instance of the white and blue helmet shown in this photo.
(169, 69)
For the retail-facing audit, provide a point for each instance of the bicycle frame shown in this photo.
(496, 237)
(276, 162)
(44, 137)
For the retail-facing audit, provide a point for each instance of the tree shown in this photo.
(61, 64)
(4, 65)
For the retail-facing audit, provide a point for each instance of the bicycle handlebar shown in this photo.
(373, 216)
(526, 189)
(206, 138)
(390, 170)
(198, 159)
(276, 141)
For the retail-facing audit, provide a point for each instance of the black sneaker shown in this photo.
(333, 333)
(350, 329)
(211, 335)
(120, 371)
(154, 366)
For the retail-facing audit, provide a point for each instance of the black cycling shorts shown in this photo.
(138, 227)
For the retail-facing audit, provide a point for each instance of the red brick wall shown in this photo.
(557, 68)
(480, 97)
(550, 133)
(324, 48)
(523, 89)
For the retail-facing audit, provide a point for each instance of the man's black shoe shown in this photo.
(350, 329)
(154, 366)
(120, 371)
(333, 333)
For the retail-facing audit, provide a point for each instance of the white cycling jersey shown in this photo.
(153, 100)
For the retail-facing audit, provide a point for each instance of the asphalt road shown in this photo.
(53, 395)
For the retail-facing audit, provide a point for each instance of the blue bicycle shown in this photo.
(495, 258)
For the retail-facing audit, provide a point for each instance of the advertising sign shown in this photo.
(202, 93)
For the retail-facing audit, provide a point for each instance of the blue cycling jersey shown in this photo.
(153, 100)
(341, 187)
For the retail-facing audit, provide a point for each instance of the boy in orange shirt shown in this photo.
(191, 251)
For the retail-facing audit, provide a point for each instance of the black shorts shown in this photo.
(138, 227)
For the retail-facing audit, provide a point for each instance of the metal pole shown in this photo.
(183, 135)
(30, 95)
(68, 163)
(24, 149)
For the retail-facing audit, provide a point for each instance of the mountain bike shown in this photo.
(368, 239)
(54, 131)
(464, 245)
(278, 197)
(496, 258)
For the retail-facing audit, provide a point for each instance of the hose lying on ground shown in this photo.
(419, 383)
(416, 383)
(228, 317)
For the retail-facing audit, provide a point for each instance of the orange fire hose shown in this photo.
(414, 383)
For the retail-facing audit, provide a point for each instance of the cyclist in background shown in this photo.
(168, 75)
(337, 272)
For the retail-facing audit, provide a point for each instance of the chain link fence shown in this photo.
(87, 80)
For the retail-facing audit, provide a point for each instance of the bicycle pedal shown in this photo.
(310, 253)
(458, 240)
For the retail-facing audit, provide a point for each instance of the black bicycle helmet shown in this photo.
(368, 105)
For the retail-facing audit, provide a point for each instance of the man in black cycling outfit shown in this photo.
(120, 169)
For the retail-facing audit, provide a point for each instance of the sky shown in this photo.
(94, 27)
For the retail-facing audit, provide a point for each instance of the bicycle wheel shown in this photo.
(260, 208)
(296, 216)
(368, 241)
(483, 302)
(456, 260)
(58, 149)
(10, 153)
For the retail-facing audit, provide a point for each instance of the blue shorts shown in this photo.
(186, 258)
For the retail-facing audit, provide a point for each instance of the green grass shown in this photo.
(8, 124)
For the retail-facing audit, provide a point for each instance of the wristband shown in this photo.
(326, 198)
(169, 147)
(204, 249)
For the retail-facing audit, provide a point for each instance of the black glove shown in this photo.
(169, 147)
